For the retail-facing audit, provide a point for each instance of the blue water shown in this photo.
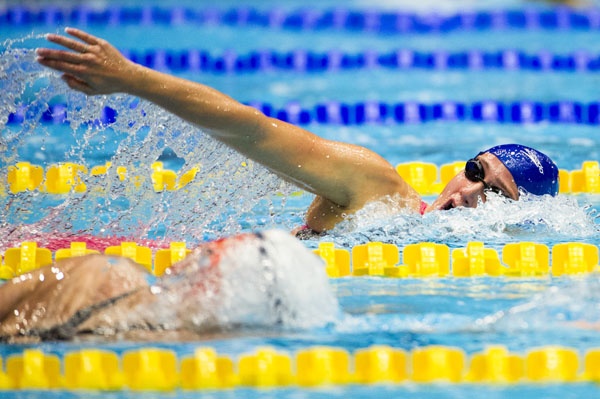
(411, 313)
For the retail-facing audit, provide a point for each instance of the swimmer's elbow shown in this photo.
(242, 124)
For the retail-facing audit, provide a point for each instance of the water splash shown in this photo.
(572, 303)
(248, 281)
(268, 279)
(495, 222)
(225, 188)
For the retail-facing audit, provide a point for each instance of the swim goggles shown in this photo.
(474, 172)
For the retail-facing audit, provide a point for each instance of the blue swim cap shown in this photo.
(531, 170)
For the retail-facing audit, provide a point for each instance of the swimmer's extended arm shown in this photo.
(344, 174)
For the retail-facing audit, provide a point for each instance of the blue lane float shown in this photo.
(373, 21)
(337, 113)
(302, 60)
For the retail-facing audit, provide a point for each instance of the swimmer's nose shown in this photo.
(471, 193)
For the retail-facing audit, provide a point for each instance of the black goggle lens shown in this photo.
(474, 172)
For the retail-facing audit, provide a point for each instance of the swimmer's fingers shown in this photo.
(60, 59)
(93, 62)
(77, 84)
(74, 74)
(75, 45)
(84, 36)
(62, 64)
(59, 55)
(83, 45)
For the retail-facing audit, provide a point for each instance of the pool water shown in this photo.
(238, 195)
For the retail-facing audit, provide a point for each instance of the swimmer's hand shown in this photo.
(93, 67)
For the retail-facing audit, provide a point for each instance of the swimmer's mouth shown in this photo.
(449, 205)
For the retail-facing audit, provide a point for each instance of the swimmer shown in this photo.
(343, 177)
(252, 280)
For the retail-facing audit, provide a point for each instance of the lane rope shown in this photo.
(372, 259)
(158, 369)
(303, 60)
(372, 112)
(68, 177)
(339, 19)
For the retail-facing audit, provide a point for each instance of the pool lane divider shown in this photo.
(71, 178)
(374, 259)
(28, 256)
(338, 19)
(430, 260)
(302, 60)
(156, 369)
(372, 112)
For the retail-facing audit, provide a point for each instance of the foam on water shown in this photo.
(571, 303)
(517, 312)
(268, 279)
(497, 221)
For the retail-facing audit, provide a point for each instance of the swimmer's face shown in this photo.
(461, 191)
